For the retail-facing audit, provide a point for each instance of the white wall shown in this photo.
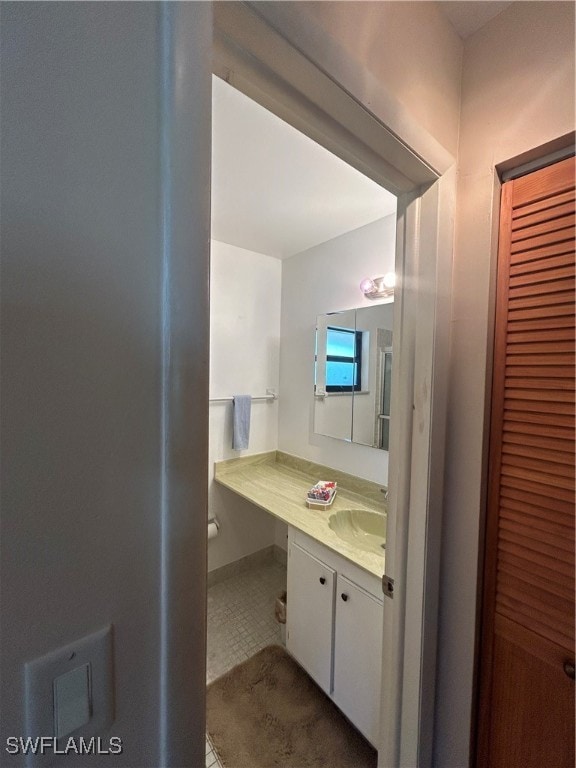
(104, 334)
(517, 94)
(245, 292)
(323, 279)
(410, 47)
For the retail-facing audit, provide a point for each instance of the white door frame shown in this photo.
(297, 72)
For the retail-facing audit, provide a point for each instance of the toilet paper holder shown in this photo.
(213, 527)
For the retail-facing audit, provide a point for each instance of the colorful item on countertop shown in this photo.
(322, 491)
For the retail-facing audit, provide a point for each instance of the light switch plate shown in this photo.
(72, 700)
(58, 671)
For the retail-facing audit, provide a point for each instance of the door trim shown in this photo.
(295, 71)
(352, 80)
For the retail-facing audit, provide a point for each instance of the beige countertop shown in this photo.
(278, 482)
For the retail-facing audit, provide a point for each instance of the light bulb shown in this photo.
(379, 287)
(367, 285)
(390, 279)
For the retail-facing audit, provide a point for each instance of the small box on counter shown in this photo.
(321, 495)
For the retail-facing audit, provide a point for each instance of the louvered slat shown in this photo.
(523, 438)
(541, 406)
(549, 238)
(526, 256)
(515, 523)
(537, 453)
(559, 389)
(555, 276)
(527, 569)
(529, 576)
(547, 305)
(548, 226)
(545, 206)
(567, 360)
(526, 392)
(542, 265)
(561, 572)
(525, 566)
(558, 372)
(523, 325)
(561, 208)
(556, 510)
(532, 335)
(551, 466)
(525, 541)
(542, 485)
(514, 510)
(532, 286)
(525, 614)
(544, 601)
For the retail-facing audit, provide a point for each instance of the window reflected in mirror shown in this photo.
(343, 359)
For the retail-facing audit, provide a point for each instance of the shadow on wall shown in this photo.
(244, 528)
(81, 439)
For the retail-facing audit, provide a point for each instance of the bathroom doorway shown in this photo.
(295, 232)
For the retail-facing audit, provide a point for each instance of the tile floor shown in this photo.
(241, 622)
(211, 755)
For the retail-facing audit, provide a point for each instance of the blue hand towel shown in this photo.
(241, 433)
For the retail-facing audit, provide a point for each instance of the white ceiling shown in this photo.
(274, 190)
(469, 16)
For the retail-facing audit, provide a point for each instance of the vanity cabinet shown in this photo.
(334, 628)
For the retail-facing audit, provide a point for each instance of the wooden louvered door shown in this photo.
(526, 710)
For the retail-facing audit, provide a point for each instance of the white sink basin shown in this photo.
(360, 528)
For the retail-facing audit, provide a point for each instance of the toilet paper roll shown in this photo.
(212, 530)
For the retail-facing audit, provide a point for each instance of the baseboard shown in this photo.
(280, 555)
(270, 554)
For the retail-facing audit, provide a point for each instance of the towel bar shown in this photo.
(268, 396)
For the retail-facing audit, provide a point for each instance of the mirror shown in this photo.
(353, 367)
(336, 373)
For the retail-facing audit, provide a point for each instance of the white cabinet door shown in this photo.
(358, 657)
(310, 614)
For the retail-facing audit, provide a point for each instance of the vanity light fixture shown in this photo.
(381, 287)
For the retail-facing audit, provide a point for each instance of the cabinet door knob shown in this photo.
(344, 596)
(569, 669)
(322, 580)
